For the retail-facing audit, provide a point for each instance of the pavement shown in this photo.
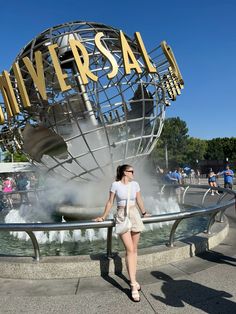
(201, 284)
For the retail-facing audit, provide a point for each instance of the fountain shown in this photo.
(77, 242)
(80, 99)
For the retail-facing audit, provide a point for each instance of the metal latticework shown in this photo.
(101, 124)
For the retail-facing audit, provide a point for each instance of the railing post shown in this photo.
(221, 219)
(204, 196)
(109, 241)
(35, 245)
(184, 194)
(211, 222)
(221, 198)
(172, 232)
(162, 189)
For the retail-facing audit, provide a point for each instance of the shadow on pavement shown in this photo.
(217, 257)
(178, 292)
(105, 264)
(116, 284)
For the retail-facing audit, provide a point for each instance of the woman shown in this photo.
(212, 181)
(8, 188)
(119, 189)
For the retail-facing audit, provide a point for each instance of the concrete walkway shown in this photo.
(202, 284)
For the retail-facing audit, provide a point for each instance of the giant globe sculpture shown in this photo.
(83, 132)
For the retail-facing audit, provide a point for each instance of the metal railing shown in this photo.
(8, 196)
(212, 211)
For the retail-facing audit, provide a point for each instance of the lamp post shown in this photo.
(197, 172)
(226, 161)
(166, 155)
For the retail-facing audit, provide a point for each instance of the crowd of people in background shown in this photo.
(228, 175)
(174, 179)
(178, 177)
(20, 182)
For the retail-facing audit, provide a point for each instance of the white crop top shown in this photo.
(121, 191)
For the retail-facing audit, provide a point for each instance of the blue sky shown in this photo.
(202, 34)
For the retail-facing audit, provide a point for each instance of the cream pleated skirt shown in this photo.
(134, 216)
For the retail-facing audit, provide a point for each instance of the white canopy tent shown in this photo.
(11, 167)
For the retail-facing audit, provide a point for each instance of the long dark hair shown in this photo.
(120, 171)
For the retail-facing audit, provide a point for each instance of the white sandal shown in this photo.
(138, 286)
(134, 293)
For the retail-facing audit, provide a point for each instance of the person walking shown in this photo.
(192, 176)
(228, 177)
(7, 188)
(212, 180)
(123, 188)
(198, 176)
(21, 185)
(180, 189)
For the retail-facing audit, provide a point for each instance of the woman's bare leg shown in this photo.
(135, 239)
(211, 185)
(130, 242)
(127, 266)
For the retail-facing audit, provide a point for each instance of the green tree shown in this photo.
(221, 148)
(17, 157)
(173, 140)
(195, 151)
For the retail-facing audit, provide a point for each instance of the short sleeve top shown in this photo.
(228, 176)
(7, 186)
(211, 177)
(121, 191)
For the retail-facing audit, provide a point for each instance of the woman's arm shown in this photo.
(140, 203)
(108, 207)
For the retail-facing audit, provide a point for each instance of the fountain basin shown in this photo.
(57, 267)
(70, 212)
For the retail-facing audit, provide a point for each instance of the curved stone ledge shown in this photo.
(88, 266)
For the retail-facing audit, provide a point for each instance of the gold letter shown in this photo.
(60, 75)
(151, 68)
(174, 80)
(83, 68)
(174, 66)
(21, 85)
(37, 76)
(8, 94)
(107, 54)
(128, 54)
(2, 119)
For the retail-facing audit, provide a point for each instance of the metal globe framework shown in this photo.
(83, 133)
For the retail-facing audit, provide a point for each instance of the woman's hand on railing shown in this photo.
(99, 219)
(146, 214)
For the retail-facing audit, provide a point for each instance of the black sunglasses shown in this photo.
(132, 171)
